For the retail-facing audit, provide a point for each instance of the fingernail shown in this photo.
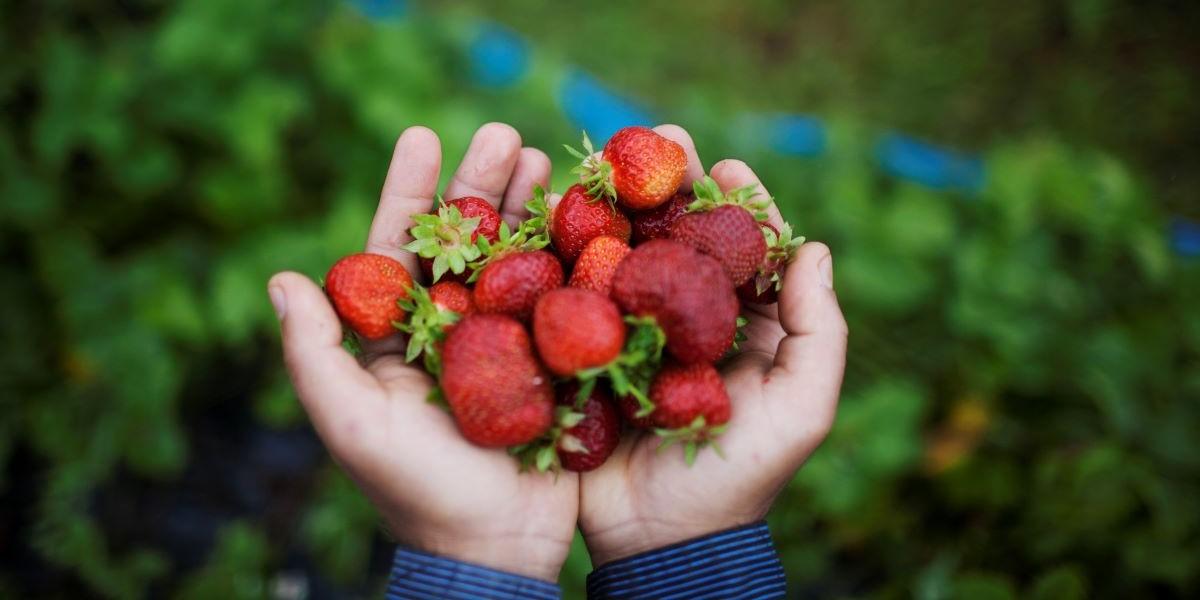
(826, 269)
(278, 300)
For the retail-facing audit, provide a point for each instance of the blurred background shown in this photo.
(1009, 188)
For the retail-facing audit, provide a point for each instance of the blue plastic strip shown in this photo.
(382, 9)
(499, 57)
(1185, 237)
(908, 158)
(594, 108)
(795, 135)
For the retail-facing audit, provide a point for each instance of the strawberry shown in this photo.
(577, 329)
(497, 391)
(764, 287)
(655, 224)
(432, 313)
(365, 290)
(445, 241)
(596, 264)
(578, 218)
(690, 405)
(686, 292)
(591, 440)
(629, 407)
(722, 225)
(512, 283)
(452, 296)
(638, 168)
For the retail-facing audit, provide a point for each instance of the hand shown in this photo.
(784, 384)
(436, 491)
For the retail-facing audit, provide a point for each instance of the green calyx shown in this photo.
(709, 196)
(739, 334)
(695, 436)
(542, 453)
(781, 250)
(444, 237)
(633, 370)
(426, 327)
(530, 235)
(595, 173)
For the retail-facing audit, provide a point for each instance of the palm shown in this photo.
(642, 488)
(430, 475)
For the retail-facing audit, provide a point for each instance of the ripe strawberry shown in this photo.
(592, 439)
(655, 224)
(365, 290)
(629, 408)
(445, 241)
(432, 313)
(497, 391)
(578, 218)
(577, 329)
(764, 287)
(639, 168)
(687, 293)
(452, 296)
(596, 264)
(722, 226)
(512, 283)
(690, 405)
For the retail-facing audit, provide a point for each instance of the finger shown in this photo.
(552, 200)
(488, 164)
(679, 135)
(806, 377)
(533, 168)
(732, 173)
(339, 396)
(409, 189)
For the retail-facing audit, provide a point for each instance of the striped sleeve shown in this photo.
(731, 564)
(417, 575)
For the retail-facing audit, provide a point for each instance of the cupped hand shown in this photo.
(436, 491)
(784, 385)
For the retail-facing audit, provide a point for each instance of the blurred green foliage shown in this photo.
(1020, 406)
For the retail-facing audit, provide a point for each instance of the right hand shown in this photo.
(436, 491)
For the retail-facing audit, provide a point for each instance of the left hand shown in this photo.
(784, 384)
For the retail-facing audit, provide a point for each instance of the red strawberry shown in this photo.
(722, 226)
(596, 264)
(366, 290)
(629, 407)
(578, 218)
(512, 283)
(445, 240)
(655, 224)
(764, 287)
(690, 405)
(589, 442)
(497, 391)
(452, 296)
(639, 168)
(577, 329)
(687, 293)
(682, 393)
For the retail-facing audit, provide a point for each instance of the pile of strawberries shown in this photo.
(607, 310)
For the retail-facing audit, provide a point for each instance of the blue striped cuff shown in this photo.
(417, 575)
(735, 563)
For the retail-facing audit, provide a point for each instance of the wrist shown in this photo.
(629, 538)
(530, 556)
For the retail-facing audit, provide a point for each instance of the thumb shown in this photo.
(336, 391)
(806, 378)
